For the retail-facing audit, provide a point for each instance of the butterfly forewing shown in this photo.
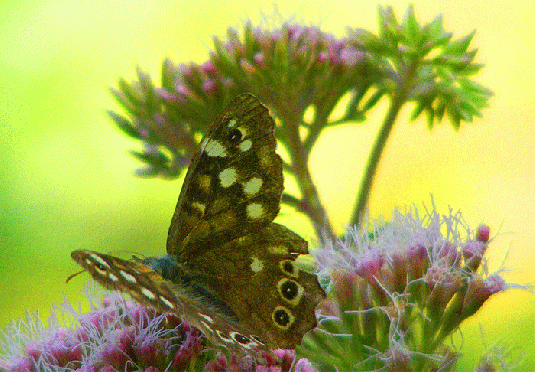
(233, 186)
(137, 280)
(147, 287)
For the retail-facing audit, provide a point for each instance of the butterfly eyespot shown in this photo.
(148, 293)
(167, 303)
(257, 339)
(278, 249)
(239, 338)
(234, 136)
(99, 262)
(206, 326)
(199, 207)
(208, 318)
(282, 317)
(254, 211)
(290, 291)
(204, 181)
(214, 148)
(288, 268)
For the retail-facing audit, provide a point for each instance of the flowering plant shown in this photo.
(397, 290)
(303, 74)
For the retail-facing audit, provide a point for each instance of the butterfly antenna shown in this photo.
(73, 275)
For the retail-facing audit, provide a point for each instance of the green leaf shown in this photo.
(131, 93)
(442, 39)
(124, 102)
(430, 117)
(388, 28)
(148, 89)
(417, 111)
(124, 124)
(155, 157)
(372, 101)
(459, 46)
(434, 29)
(440, 110)
(475, 87)
(147, 172)
(411, 28)
(168, 75)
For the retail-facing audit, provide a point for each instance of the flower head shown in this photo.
(118, 334)
(121, 335)
(399, 291)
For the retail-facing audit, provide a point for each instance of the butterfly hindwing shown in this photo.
(257, 277)
(233, 186)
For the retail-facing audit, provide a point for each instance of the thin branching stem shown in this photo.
(373, 162)
(312, 206)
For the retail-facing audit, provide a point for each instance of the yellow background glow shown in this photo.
(67, 182)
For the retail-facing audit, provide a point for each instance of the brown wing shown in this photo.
(233, 186)
(150, 289)
(257, 278)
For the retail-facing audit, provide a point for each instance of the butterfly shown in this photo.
(230, 270)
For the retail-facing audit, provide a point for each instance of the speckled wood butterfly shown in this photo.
(230, 271)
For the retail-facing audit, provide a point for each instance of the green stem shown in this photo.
(317, 126)
(309, 195)
(291, 201)
(398, 100)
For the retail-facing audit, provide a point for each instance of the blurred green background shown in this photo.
(67, 181)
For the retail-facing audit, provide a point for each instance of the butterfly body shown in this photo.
(230, 270)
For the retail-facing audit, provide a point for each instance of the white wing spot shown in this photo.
(257, 265)
(100, 260)
(245, 145)
(231, 123)
(147, 293)
(205, 325)
(254, 211)
(113, 277)
(167, 302)
(222, 336)
(207, 318)
(278, 249)
(252, 186)
(215, 148)
(228, 177)
(128, 277)
(199, 206)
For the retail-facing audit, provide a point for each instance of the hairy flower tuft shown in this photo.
(398, 289)
(121, 335)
